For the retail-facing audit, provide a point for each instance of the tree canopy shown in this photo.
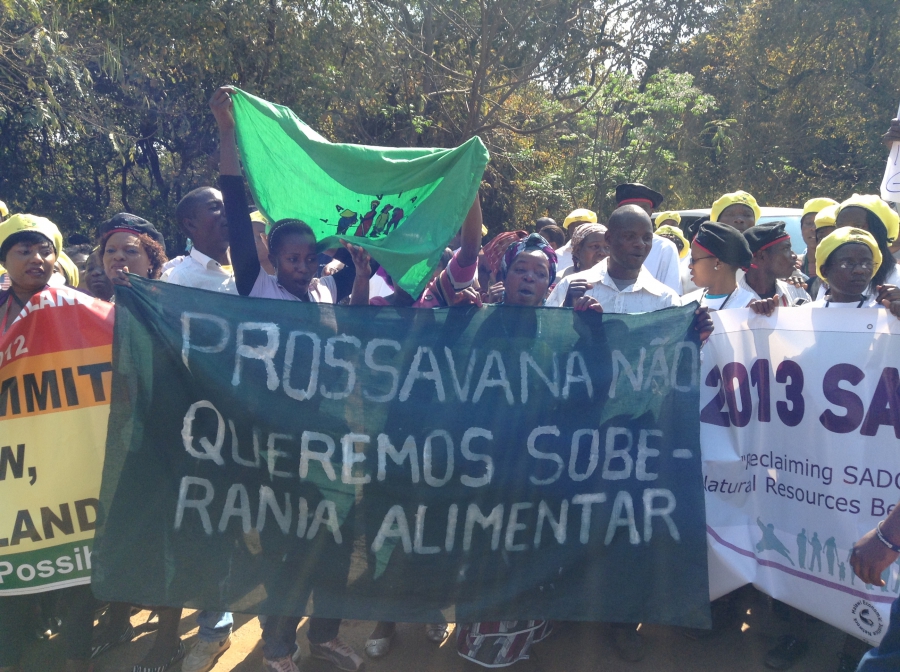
(103, 102)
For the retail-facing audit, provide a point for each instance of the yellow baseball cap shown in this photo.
(879, 208)
(735, 198)
(842, 236)
(580, 215)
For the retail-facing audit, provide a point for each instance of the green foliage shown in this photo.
(804, 91)
(103, 103)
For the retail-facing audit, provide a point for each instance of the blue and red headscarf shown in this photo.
(533, 242)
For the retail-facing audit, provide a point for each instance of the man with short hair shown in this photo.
(201, 216)
(542, 222)
(621, 283)
(662, 262)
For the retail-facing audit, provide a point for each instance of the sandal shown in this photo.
(436, 632)
(102, 647)
(178, 655)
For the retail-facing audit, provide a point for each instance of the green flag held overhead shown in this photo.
(402, 205)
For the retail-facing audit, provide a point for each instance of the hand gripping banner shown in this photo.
(55, 373)
(380, 463)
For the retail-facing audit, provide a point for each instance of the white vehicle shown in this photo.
(790, 216)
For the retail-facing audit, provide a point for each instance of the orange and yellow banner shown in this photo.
(55, 378)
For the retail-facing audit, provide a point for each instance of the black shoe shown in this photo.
(788, 651)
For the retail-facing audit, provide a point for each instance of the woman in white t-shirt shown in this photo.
(717, 253)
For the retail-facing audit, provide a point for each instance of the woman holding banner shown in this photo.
(131, 244)
(292, 251)
(29, 246)
(717, 253)
(848, 259)
(871, 214)
(526, 270)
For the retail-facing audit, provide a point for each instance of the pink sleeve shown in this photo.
(459, 276)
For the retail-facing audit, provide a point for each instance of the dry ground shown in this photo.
(575, 647)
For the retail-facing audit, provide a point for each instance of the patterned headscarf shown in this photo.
(533, 242)
(493, 251)
(583, 232)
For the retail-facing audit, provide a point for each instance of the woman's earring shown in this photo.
(716, 267)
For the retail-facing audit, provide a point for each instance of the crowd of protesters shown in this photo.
(641, 259)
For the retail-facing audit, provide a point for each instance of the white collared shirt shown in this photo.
(790, 295)
(201, 272)
(663, 263)
(646, 295)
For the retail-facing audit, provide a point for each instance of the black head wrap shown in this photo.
(762, 236)
(725, 243)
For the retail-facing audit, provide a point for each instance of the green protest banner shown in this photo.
(402, 204)
(382, 463)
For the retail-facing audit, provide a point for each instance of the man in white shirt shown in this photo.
(662, 262)
(621, 283)
(201, 215)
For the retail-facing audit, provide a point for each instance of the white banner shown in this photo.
(800, 432)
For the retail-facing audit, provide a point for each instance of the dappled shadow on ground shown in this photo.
(574, 647)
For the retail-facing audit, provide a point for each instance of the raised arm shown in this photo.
(244, 258)
(470, 238)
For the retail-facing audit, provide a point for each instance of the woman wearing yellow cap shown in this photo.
(870, 213)
(29, 246)
(737, 209)
(29, 249)
(848, 259)
(808, 230)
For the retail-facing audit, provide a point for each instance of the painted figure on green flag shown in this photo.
(381, 221)
(396, 216)
(348, 219)
(367, 219)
